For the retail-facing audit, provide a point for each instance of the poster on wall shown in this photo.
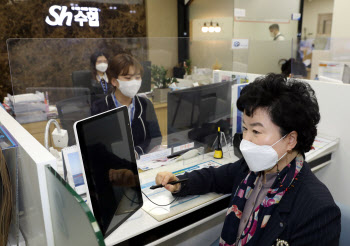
(240, 44)
(237, 115)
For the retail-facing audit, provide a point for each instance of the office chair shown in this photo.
(146, 77)
(71, 110)
(82, 78)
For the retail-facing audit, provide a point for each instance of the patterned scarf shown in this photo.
(261, 215)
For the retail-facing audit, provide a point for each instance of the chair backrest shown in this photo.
(82, 78)
(71, 110)
(345, 224)
(146, 77)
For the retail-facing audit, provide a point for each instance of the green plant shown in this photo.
(159, 78)
(188, 66)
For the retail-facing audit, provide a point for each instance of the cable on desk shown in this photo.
(131, 200)
(157, 203)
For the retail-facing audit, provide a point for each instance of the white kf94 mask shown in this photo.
(259, 157)
(129, 88)
(102, 67)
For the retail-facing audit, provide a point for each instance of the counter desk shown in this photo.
(146, 230)
(37, 129)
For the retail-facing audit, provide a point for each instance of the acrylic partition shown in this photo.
(279, 13)
(324, 59)
(54, 79)
(72, 221)
(58, 73)
(67, 89)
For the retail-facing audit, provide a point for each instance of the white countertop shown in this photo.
(137, 224)
(133, 227)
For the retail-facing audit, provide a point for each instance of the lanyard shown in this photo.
(103, 84)
(131, 114)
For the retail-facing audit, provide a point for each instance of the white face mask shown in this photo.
(102, 67)
(272, 34)
(259, 157)
(129, 88)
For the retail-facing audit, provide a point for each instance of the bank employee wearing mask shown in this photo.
(276, 199)
(100, 83)
(125, 74)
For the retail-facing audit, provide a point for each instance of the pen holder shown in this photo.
(222, 136)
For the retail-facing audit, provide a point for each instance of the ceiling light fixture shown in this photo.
(205, 28)
(213, 27)
(217, 28)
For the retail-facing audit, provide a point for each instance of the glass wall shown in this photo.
(325, 59)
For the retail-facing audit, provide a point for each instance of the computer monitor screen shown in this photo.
(110, 168)
(194, 114)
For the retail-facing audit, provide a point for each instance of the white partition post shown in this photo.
(35, 219)
(334, 102)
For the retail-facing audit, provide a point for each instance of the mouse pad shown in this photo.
(163, 196)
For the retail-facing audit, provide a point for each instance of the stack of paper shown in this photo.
(28, 107)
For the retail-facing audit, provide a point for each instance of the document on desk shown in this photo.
(321, 146)
(320, 143)
(162, 196)
(153, 160)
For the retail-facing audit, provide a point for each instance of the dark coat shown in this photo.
(306, 215)
(96, 90)
(144, 126)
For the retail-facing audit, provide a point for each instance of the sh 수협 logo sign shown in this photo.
(58, 15)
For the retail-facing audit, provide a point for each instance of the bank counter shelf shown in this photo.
(155, 225)
(61, 217)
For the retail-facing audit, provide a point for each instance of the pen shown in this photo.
(172, 183)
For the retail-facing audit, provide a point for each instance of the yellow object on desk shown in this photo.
(218, 149)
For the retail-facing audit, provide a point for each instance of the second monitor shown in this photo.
(194, 114)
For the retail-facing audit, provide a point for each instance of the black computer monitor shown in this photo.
(194, 114)
(109, 167)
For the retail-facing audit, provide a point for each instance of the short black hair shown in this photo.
(293, 66)
(274, 27)
(291, 104)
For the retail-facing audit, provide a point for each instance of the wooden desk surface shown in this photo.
(37, 129)
(160, 105)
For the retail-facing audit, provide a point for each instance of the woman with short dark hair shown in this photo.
(125, 73)
(276, 199)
